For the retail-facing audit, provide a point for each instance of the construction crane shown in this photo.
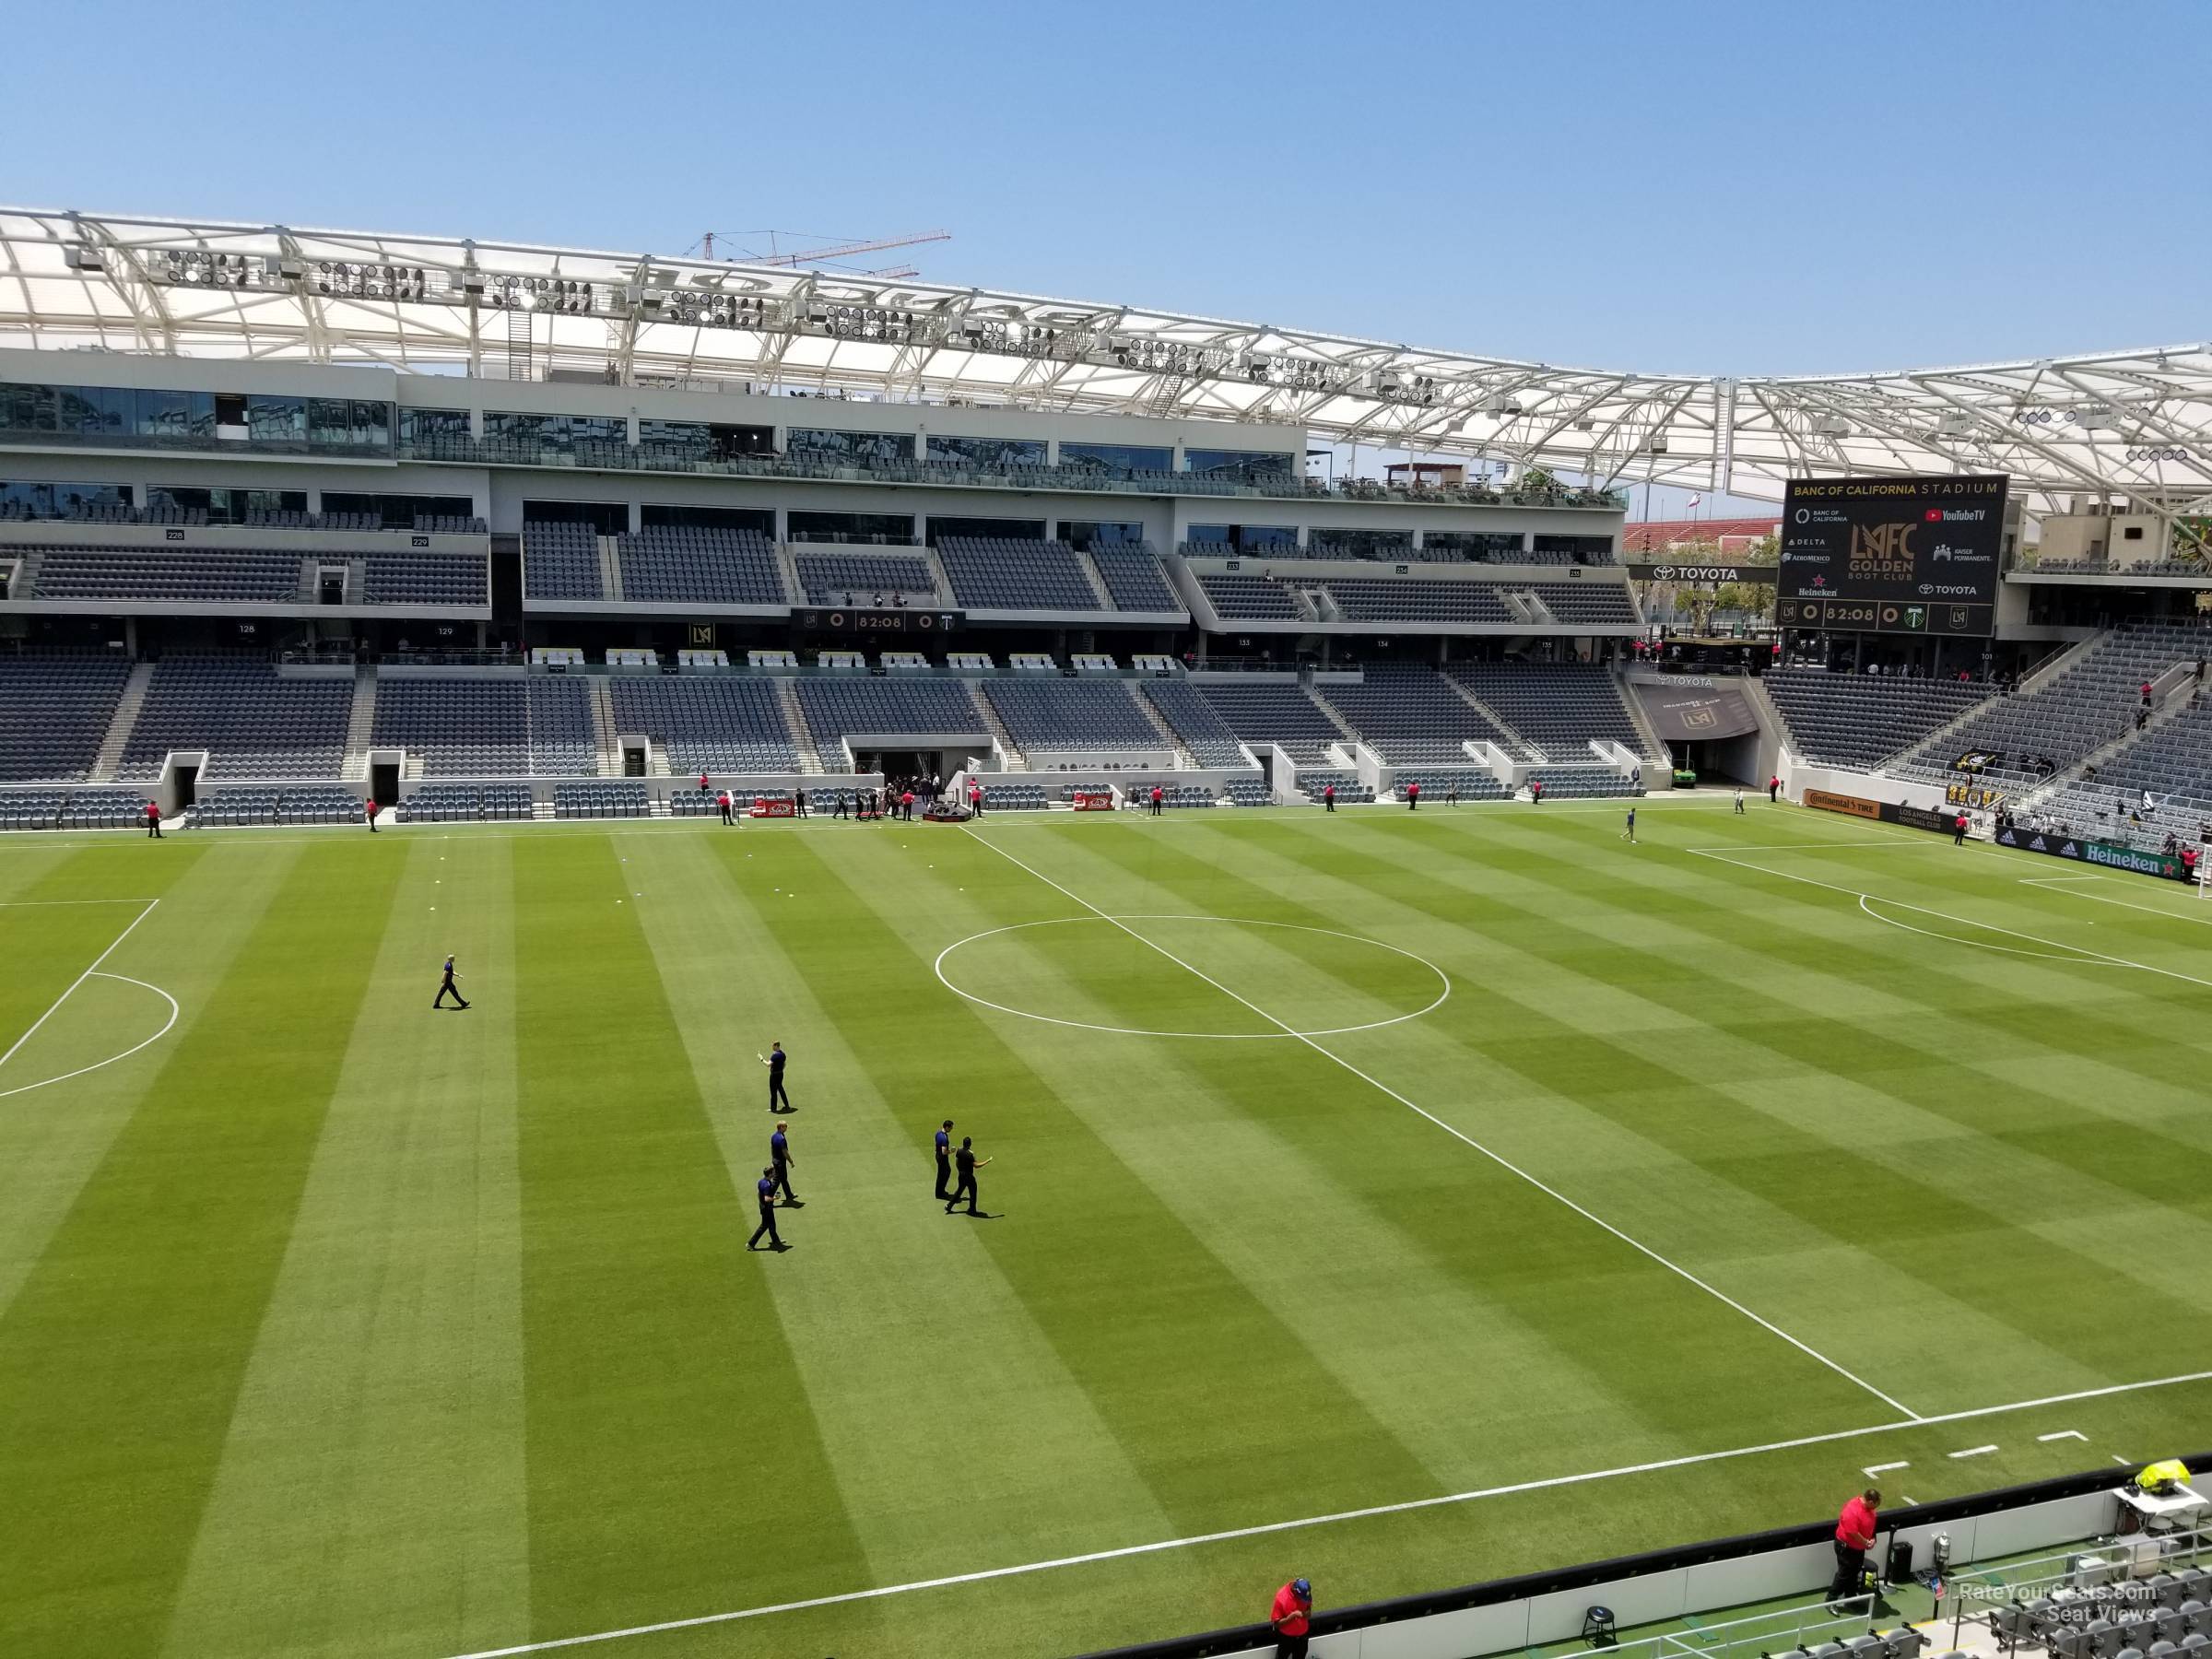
(835, 253)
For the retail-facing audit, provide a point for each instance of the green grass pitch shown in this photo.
(331, 1325)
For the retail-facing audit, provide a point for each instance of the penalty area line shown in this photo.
(1162, 1546)
(1506, 1164)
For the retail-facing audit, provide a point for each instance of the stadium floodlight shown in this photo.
(83, 257)
(1830, 426)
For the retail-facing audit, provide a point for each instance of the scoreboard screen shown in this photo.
(1892, 555)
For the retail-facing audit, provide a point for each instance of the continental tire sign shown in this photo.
(1854, 806)
(1892, 555)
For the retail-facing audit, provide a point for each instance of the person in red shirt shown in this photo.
(906, 803)
(1535, 790)
(1156, 798)
(1413, 798)
(702, 782)
(369, 812)
(1855, 1538)
(1774, 789)
(723, 801)
(975, 799)
(1328, 797)
(1293, 1607)
(153, 821)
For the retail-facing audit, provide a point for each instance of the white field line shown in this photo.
(174, 1014)
(1163, 1545)
(2052, 882)
(1970, 1452)
(2071, 953)
(2064, 1434)
(80, 979)
(1503, 1163)
(42, 903)
(1871, 1470)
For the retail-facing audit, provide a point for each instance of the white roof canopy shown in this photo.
(2132, 424)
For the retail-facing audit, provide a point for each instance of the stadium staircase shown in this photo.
(2059, 664)
(610, 568)
(801, 734)
(787, 571)
(1098, 582)
(1016, 760)
(30, 561)
(2169, 702)
(1656, 751)
(304, 589)
(1941, 732)
(120, 728)
(1533, 751)
(354, 769)
(1184, 759)
(603, 738)
(1321, 703)
(937, 575)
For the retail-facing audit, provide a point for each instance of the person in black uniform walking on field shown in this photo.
(777, 1100)
(778, 1151)
(944, 1160)
(765, 1187)
(447, 988)
(968, 1165)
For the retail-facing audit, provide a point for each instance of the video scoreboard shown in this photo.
(1892, 555)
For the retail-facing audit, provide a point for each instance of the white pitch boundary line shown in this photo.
(2053, 883)
(80, 979)
(2064, 1434)
(1161, 1546)
(1469, 1141)
(2075, 953)
(1871, 1470)
(1970, 1452)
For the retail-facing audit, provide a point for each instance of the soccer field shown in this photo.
(1399, 1199)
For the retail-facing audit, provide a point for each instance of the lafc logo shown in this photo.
(1882, 541)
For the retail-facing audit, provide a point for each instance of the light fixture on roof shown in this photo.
(2097, 417)
(1830, 426)
(1954, 423)
(83, 257)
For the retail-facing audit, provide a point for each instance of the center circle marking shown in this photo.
(1443, 979)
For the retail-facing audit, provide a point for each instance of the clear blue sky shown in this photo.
(1766, 188)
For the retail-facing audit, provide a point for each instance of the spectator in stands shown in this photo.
(369, 812)
(1292, 1617)
(2142, 716)
(1855, 1538)
(703, 785)
(153, 821)
(1328, 797)
(2146, 694)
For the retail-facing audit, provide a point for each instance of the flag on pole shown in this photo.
(1695, 500)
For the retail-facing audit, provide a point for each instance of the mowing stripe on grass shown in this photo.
(931, 1374)
(372, 1497)
(1131, 1300)
(673, 1459)
(121, 1357)
(1476, 1146)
